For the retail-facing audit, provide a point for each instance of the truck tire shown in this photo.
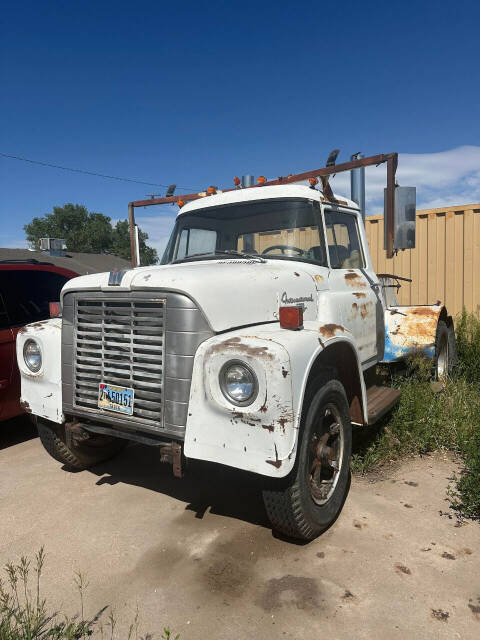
(77, 456)
(445, 351)
(309, 500)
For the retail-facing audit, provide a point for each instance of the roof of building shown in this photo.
(81, 263)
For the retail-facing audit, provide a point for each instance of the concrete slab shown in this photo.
(198, 555)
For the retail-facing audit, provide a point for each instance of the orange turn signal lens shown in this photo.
(54, 309)
(261, 179)
(313, 181)
(180, 203)
(211, 191)
(236, 181)
(291, 317)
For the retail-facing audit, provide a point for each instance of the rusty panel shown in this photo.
(445, 265)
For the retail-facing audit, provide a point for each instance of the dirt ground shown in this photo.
(198, 555)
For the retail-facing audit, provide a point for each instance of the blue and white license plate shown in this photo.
(113, 398)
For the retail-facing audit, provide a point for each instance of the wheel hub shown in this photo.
(326, 454)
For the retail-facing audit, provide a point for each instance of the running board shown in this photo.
(380, 400)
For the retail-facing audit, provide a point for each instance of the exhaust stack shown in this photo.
(357, 185)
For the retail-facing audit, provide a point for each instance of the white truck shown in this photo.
(254, 345)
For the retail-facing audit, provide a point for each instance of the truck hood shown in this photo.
(231, 293)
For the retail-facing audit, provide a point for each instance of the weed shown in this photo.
(24, 616)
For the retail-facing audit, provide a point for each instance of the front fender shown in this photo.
(42, 391)
(263, 437)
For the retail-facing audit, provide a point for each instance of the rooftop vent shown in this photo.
(53, 246)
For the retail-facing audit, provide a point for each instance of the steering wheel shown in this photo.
(283, 248)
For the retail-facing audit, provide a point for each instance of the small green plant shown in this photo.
(24, 614)
(435, 416)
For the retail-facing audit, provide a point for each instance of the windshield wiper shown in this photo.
(227, 252)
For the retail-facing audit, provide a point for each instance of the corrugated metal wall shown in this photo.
(445, 265)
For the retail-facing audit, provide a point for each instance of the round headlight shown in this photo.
(32, 355)
(238, 382)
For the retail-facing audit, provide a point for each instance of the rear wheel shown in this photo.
(312, 496)
(77, 455)
(445, 350)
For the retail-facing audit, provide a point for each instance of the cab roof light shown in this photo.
(261, 180)
(291, 317)
(236, 181)
(211, 190)
(180, 203)
(313, 182)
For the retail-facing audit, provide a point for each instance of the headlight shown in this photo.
(32, 355)
(238, 382)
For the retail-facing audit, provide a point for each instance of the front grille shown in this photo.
(120, 342)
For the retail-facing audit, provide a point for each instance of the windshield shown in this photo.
(283, 229)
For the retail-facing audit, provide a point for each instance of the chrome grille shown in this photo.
(120, 342)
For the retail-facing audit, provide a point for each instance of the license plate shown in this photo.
(113, 398)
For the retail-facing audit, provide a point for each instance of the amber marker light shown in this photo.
(291, 317)
(313, 182)
(180, 203)
(236, 181)
(211, 191)
(261, 179)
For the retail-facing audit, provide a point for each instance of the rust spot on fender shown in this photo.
(268, 427)
(235, 344)
(284, 372)
(359, 294)
(354, 280)
(328, 330)
(365, 310)
(25, 406)
(276, 463)
(318, 278)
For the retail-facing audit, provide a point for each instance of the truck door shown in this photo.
(7, 354)
(353, 284)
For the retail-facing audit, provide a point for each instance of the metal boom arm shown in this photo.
(390, 158)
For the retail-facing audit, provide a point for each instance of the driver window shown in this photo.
(343, 241)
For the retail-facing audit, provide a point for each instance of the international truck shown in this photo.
(254, 344)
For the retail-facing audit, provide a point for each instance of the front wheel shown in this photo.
(313, 494)
(77, 455)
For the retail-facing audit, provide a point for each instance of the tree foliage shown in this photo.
(88, 232)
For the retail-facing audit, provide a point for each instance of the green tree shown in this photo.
(121, 244)
(88, 232)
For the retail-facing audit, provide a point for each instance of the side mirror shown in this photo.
(405, 218)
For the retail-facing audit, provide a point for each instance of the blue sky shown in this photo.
(195, 93)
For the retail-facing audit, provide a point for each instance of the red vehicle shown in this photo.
(26, 289)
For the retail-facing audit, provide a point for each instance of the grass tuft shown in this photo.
(433, 416)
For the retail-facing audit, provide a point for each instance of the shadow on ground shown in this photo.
(16, 430)
(205, 487)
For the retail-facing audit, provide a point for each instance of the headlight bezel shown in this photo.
(223, 383)
(26, 345)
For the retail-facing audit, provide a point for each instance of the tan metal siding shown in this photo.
(445, 265)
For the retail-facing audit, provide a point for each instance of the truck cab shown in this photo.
(254, 345)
